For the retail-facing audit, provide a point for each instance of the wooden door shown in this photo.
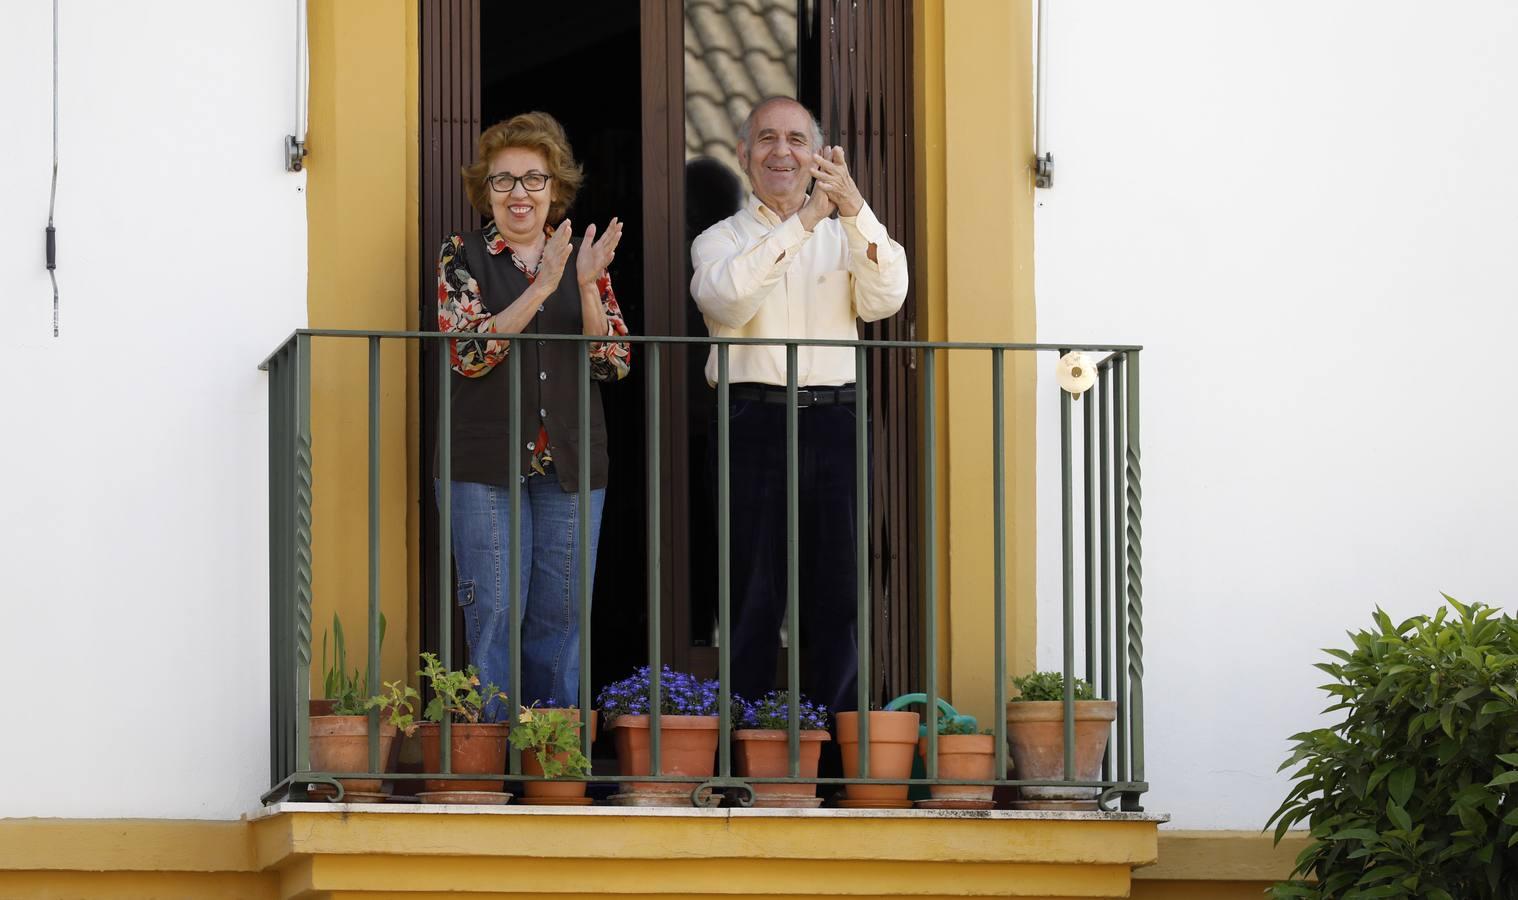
(450, 124)
(857, 68)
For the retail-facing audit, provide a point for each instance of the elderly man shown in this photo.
(781, 267)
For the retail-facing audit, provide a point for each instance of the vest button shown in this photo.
(530, 446)
(542, 376)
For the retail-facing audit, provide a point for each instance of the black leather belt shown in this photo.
(807, 396)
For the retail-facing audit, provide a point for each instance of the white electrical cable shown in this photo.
(302, 73)
(53, 198)
(1041, 85)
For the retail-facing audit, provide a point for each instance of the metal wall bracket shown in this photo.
(295, 153)
(1043, 173)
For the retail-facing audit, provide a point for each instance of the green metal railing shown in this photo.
(1110, 619)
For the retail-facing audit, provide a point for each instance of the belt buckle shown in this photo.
(804, 397)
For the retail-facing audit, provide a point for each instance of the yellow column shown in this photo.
(975, 269)
(362, 271)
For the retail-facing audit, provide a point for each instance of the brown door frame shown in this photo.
(449, 122)
(662, 33)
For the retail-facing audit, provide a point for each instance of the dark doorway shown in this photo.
(484, 62)
(579, 62)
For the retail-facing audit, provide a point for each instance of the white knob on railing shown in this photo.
(1076, 372)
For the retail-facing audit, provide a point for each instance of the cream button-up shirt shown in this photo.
(757, 275)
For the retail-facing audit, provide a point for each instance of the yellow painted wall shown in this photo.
(265, 859)
(975, 277)
(1217, 865)
(415, 853)
(362, 220)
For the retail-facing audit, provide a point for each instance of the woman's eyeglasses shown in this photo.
(505, 182)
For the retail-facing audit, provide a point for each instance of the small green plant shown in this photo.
(396, 702)
(1412, 793)
(456, 692)
(348, 691)
(958, 725)
(1049, 686)
(553, 736)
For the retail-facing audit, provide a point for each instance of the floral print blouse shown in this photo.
(460, 308)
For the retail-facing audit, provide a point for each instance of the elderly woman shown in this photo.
(523, 274)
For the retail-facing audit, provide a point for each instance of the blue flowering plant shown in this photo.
(680, 694)
(773, 712)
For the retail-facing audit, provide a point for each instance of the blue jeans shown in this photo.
(549, 576)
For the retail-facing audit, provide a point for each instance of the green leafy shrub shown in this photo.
(553, 736)
(1411, 795)
(1049, 686)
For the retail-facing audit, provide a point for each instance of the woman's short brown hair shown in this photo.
(535, 131)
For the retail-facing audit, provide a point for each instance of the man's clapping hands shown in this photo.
(833, 178)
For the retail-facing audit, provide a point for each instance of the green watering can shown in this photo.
(945, 711)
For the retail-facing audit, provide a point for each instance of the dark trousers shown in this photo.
(826, 552)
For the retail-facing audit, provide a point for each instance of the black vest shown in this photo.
(482, 450)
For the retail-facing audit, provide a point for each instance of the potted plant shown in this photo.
(477, 748)
(892, 744)
(549, 739)
(340, 741)
(963, 755)
(687, 734)
(338, 687)
(763, 745)
(1036, 739)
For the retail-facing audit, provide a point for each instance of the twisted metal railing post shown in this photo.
(1134, 534)
(302, 551)
(281, 543)
(1122, 771)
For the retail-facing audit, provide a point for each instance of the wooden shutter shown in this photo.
(450, 124)
(857, 60)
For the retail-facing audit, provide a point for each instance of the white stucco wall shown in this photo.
(133, 563)
(1308, 214)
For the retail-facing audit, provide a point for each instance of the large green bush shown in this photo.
(1412, 795)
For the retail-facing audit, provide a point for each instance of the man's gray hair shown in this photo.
(746, 130)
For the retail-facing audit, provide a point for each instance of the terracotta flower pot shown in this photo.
(687, 746)
(553, 791)
(478, 749)
(321, 707)
(1036, 740)
(966, 757)
(893, 741)
(341, 744)
(766, 753)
